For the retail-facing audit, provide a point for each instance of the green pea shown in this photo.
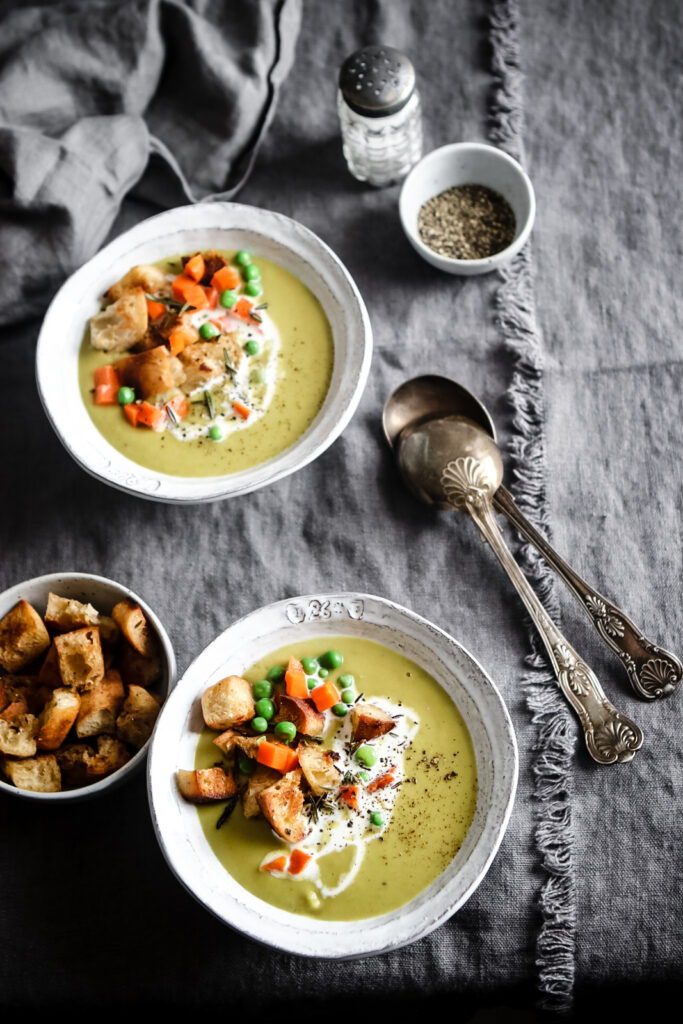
(346, 680)
(363, 776)
(259, 724)
(285, 731)
(276, 673)
(228, 299)
(208, 330)
(340, 710)
(252, 288)
(323, 673)
(216, 432)
(264, 688)
(310, 666)
(252, 348)
(367, 756)
(331, 659)
(243, 258)
(125, 396)
(376, 819)
(245, 765)
(265, 708)
(311, 683)
(251, 273)
(257, 376)
(348, 696)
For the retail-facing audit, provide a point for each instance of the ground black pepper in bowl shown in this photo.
(467, 222)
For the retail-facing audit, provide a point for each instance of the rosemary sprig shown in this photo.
(264, 305)
(208, 400)
(228, 365)
(255, 316)
(349, 779)
(172, 415)
(227, 811)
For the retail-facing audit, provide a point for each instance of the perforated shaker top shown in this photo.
(377, 81)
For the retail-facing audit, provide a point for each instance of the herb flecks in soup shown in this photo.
(335, 758)
(207, 364)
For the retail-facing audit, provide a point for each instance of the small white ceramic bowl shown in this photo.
(467, 163)
(187, 229)
(103, 594)
(175, 740)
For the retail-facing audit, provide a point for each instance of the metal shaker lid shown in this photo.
(377, 81)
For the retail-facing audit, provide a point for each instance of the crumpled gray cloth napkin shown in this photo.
(96, 95)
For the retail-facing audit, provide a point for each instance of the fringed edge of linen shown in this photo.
(555, 746)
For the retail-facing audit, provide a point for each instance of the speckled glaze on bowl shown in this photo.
(360, 615)
(103, 594)
(468, 163)
(186, 229)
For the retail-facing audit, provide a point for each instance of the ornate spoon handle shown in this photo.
(652, 671)
(609, 735)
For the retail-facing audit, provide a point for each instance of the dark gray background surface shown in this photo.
(89, 908)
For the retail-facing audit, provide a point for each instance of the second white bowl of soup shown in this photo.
(353, 818)
(188, 381)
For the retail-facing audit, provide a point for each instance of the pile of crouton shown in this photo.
(280, 796)
(75, 700)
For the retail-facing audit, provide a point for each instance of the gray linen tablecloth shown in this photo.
(89, 910)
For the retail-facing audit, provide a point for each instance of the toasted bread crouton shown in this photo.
(282, 806)
(56, 718)
(109, 631)
(18, 736)
(262, 779)
(26, 689)
(369, 721)
(228, 740)
(111, 755)
(122, 324)
(227, 703)
(100, 705)
(15, 708)
(206, 785)
(150, 373)
(319, 768)
(139, 713)
(73, 760)
(64, 614)
(205, 360)
(137, 670)
(146, 276)
(131, 621)
(49, 674)
(79, 654)
(39, 774)
(308, 721)
(23, 637)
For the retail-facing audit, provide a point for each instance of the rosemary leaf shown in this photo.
(172, 415)
(228, 365)
(227, 811)
(208, 399)
(255, 316)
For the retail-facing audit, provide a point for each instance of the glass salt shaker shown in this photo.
(379, 110)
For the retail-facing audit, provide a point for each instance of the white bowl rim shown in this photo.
(153, 485)
(359, 931)
(487, 262)
(14, 594)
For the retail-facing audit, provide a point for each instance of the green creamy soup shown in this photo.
(430, 818)
(304, 370)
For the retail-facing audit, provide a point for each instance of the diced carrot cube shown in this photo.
(106, 394)
(241, 409)
(150, 416)
(155, 310)
(212, 296)
(298, 861)
(187, 290)
(349, 795)
(106, 375)
(180, 338)
(279, 864)
(180, 406)
(277, 756)
(242, 308)
(225, 279)
(325, 696)
(295, 679)
(132, 413)
(195, 268)
(383, 781)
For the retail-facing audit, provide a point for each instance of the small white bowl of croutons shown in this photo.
(85, 666)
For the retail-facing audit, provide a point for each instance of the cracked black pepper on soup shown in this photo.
(467, 222)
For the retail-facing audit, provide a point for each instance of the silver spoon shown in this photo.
(652, 671)
(448, 464)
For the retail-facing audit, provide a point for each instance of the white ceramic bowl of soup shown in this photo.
(467, 163)
(177, 824)
(102, 594)
(188, 229)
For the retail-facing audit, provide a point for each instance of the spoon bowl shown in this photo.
(429, 397)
